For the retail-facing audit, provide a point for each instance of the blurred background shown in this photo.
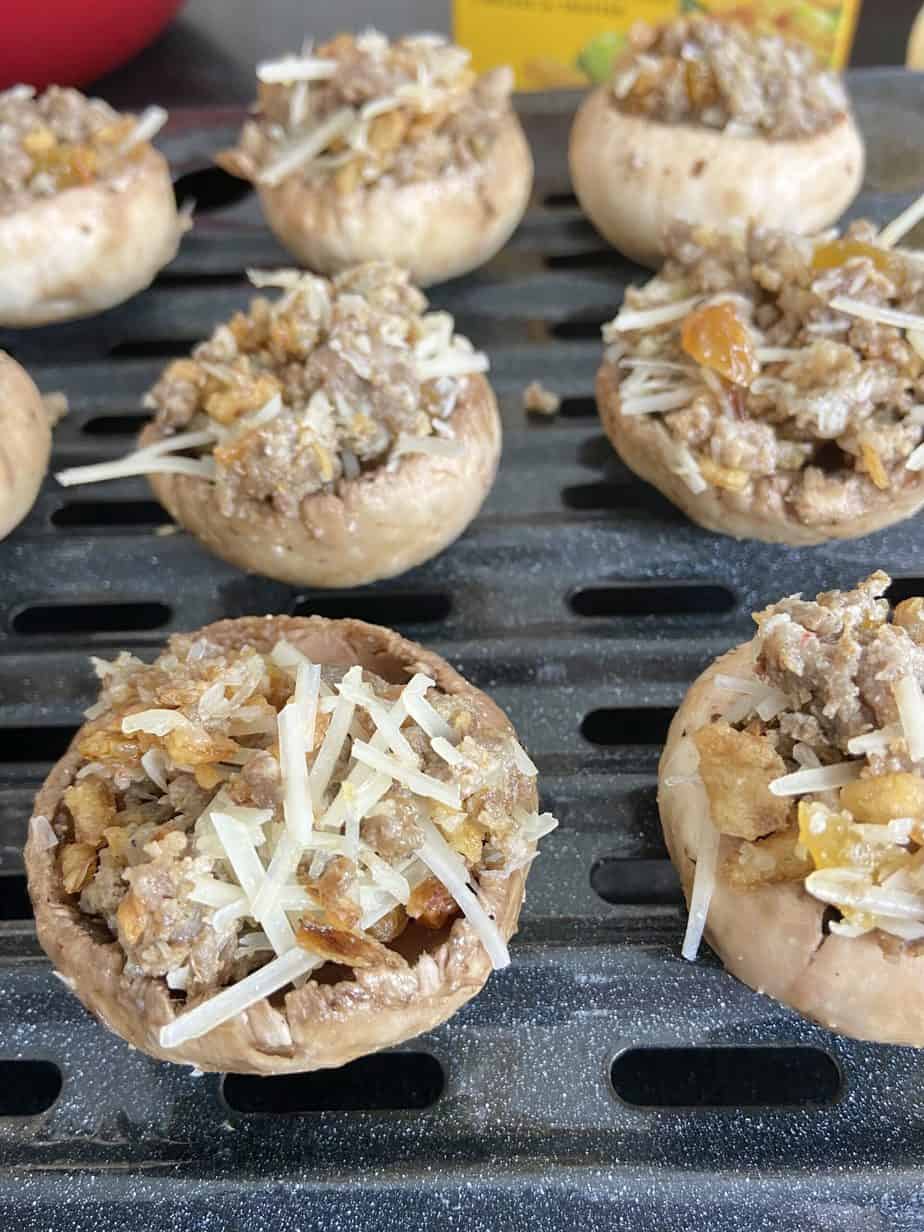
(203, 51)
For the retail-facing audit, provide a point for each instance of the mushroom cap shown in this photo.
(317, 1026)
(436, 229)
(25, 443)
(87, 248)
(772, 937)
(644, 444)
(633, 176)
(375, 526)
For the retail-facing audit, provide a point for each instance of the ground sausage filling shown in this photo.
(360, 110)
(786, 370)
(811, 767)
(234, 810)
(60, 139)
(720, 75)
(334, 379)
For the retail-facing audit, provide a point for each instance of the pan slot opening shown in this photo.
(762, 1076)
(116, 425)
(578, 330)
(84, 514)
(578, 408)
(28, 1087)
(614, 726)
(905, 588)
(73, 619)
(378, 608)
(384, 1082)
(642, 599)
(15, 903)
(210, 189)
(624, 882)
(34, 744)
(560, 201)
(599, 259)
(150, 348)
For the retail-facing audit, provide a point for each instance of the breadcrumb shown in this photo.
(537, 400)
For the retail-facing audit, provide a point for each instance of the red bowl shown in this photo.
(72, 42)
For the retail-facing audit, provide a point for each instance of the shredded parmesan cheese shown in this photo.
(296, 68)
(875, 741)
(154, 764)
(649, 404)
(824, 778)
(847, 888)
(302, 151)
(877, 313)
(522, 760)
(41, 832)
(238, 997)
(891, 233)
(910, 703)
(443, 862)
(442, 748)
(250, 873)
(707, 857)
(155, 722)
(455, 362)
(649, 318)
(149, 124)
(420, 783)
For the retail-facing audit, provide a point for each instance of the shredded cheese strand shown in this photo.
(824, 778)
(249, 871)
(704, 877)
(420, 783)
(296, 68)
(647, 318)
(877, 313)
(238, 997)
(332, 744)
(890, 234)
(125, 468)
(301, 152)
(448, 867)
(910, 703)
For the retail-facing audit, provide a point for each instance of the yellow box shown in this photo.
(562, 43)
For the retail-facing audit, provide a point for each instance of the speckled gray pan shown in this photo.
(585, 605)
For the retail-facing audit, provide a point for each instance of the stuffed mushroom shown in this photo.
(87, 209)
(25, 443)
(340, 435)
(705, 121)
(283, 844)
(368, 150)
(791, 793)
(771, 384)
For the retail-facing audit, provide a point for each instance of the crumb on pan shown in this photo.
(239, 818)
(830, 730)
(722, 75)
(360, 109)
(538, 400)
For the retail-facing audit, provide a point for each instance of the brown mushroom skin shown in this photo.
(25, 443)
(437, 229)
(633, 176)
(376, 526)
(771, 937)
(319, 1025)
(643, 442)
(87, 248)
